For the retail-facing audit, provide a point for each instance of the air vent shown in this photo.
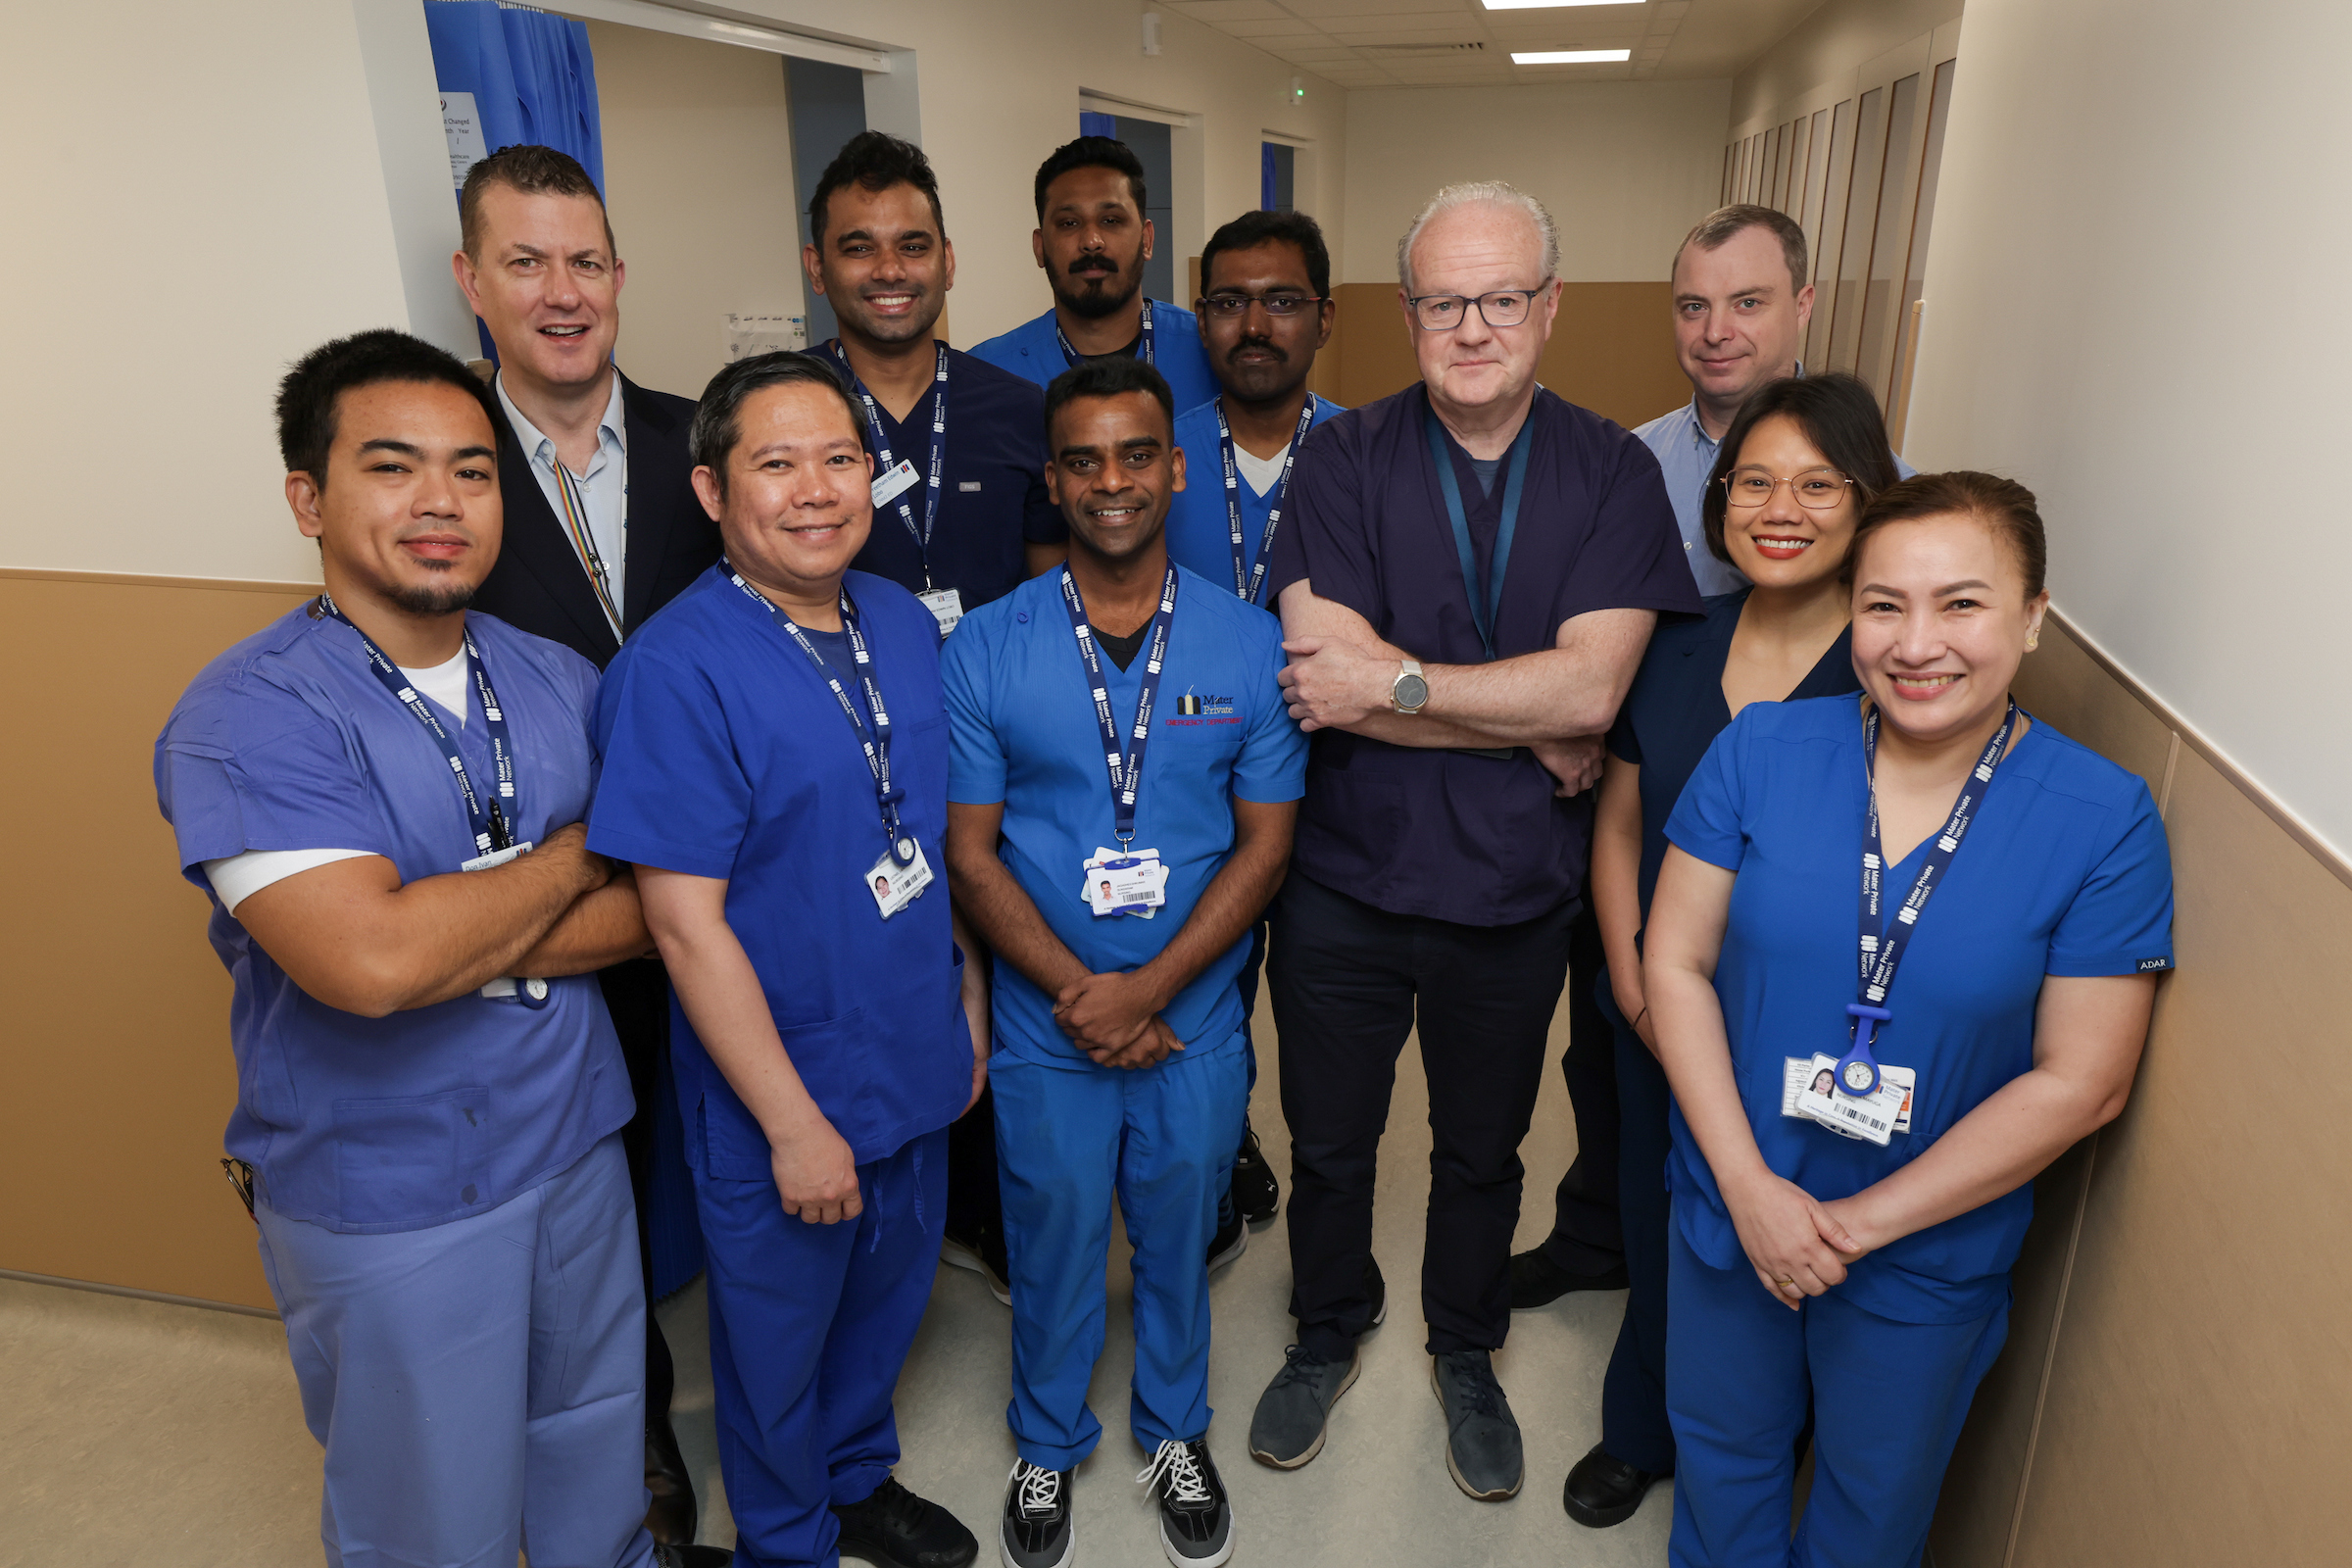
(1424, 51)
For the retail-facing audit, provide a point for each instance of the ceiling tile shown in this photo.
(1260, 32)
(1318, 10)
(1216, 13)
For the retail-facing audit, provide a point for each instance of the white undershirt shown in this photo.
(1262, 473)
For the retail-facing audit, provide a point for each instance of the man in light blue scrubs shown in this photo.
(1092, 241)
(1124, 783)
(776, 765)
(383, 796)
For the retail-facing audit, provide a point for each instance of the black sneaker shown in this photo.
(896, 1528)
(984, 1255)
(1255, 1192)
(1196, 1524)
(1537, 1281)
(1230, 1240)
(1037, 1530)
(1482, 1438)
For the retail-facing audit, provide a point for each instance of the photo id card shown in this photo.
(895, 886)
(1809, 1091)
(1135, 883)
(945, 606)
(895, 481)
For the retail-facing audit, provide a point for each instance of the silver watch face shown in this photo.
(1409, 692)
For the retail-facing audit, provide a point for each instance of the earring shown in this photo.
(2032, 639)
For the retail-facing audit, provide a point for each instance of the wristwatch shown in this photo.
(1408, 693)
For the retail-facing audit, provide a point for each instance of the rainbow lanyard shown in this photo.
(575, 522)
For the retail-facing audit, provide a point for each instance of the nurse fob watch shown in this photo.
(1408, 693)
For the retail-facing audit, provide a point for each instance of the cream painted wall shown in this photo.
(195, 198)
(698, 181)
(2130, 190)
(1625, 168)
(1825, 49)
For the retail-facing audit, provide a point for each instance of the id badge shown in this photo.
(1124, 884)
(1875, 1118)
(945, 606)
(495, 858)
(895, 481)
(895, 886)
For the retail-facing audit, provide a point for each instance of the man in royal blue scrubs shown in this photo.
(1266, 309)
(383, 796)
(1091, 240)
(774, 759)
(1122, 802)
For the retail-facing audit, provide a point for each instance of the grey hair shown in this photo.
(1471, 193)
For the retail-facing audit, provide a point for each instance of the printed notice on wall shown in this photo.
(464, 129)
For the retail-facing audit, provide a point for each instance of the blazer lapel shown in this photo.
(536, 542)
(655, 441)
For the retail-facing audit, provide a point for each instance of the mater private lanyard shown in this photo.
(1884, 941)
(1249, 582)
(1485, 597)
(875, 743)
(1126, 763)
(1143, 350)
(885, 461)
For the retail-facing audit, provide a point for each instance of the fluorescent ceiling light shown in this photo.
(1570, 57)
(1546, 5)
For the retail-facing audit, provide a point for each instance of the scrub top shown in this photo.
(1200, 534)
(2064, 871)
(726, 754)
(1450, 835)
(371, 1125)
(1675, 709)
(991, 494)
(1032, 351)
(1025, 733)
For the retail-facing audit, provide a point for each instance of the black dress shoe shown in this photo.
(1603, 1492)
(671, 1517)
(668, 1556)
(900, 1530)
(1255, 1192)
(1536, 1281)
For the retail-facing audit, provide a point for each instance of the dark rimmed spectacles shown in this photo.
(1505, 306)
(1283, 302)
(1815, 489)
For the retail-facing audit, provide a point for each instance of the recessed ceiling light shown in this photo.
(1570, 57)
(1546, 5)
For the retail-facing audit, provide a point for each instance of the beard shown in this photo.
(1089, 294)
(441, 600)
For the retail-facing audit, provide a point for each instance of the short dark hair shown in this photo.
(874, 161)
(717, 417)
(1716, 229)
(1092, 152)
(1839, 415)
(1111, 376)
(2003, 506)
(532, 169)
(308, 397)
(1253, 229)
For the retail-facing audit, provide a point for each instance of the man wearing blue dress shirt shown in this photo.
(1092, 241)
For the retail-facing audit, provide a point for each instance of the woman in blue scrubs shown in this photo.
(1984, 1011)
(1794, 471)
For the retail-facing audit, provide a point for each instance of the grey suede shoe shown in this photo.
(1481, 1440)
(1288, 1429)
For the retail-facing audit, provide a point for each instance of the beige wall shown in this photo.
(1625, 168)
(1823, 53)
(698, 177)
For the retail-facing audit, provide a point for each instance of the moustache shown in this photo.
(1258, 345)
(1087, 265)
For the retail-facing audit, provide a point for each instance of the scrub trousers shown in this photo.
(1160, 1140)
(1587, 1232)
(1633, 1394)
(1889, 1400)
(479, 1385)
(810, 1324)
(1349, 983)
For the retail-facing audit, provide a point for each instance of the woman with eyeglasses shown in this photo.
(1794, 469)
(1959, 914)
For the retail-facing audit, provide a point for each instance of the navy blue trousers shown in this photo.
(1633, 1394)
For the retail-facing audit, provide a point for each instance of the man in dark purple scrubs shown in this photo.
(1472, 576)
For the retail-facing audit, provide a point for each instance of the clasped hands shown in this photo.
(1797, 1245)
(1115, 1019)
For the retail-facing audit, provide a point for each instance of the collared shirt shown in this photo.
(287, 741)
(2064, 871)
(605, 487)
(1025, 734)
(725, 755)
(1476, 839)
(1032, 351)
(1199, 535)
(992, 497)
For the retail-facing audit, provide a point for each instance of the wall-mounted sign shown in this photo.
(464, 129)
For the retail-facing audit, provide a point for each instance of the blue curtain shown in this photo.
(531, 75)
(1094, 125)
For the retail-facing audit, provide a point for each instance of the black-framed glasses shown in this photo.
(1228, 305)
(1815, 489)
(1505, 306)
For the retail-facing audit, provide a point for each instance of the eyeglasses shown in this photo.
(1815, 489)
(1226, 306)
(1505, 306)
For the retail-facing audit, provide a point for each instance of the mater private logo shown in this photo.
(1193, 708)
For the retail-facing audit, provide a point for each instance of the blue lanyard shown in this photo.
(882, 453)
(1882, 941)
(1126, 763)
(1246, 582)
(874, 743)
(1143, 350)
(1486, 598)
(491, 824)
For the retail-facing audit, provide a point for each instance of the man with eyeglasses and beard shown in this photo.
(1091, 240)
